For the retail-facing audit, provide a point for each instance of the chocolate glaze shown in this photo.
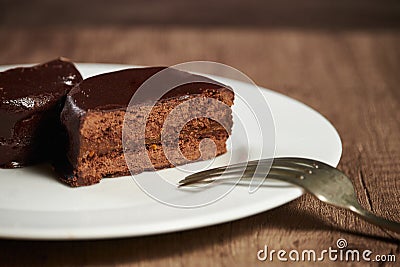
(31, 101)
(114, 90)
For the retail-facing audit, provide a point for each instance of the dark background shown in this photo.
(316, 14)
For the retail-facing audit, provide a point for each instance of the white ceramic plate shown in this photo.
(34, 205)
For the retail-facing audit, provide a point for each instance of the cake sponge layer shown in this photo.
(95, 166)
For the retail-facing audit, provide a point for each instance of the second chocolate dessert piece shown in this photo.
(94, 115)
(31, 102)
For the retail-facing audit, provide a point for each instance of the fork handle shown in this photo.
(379, 221)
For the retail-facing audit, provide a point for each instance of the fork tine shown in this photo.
(299, 161)
(222, 170)
(243, 174)
(239, 172)
(207, 175)
(248, 167)
(244, 178)
(182, 184)
(213, 178)
(292, 163)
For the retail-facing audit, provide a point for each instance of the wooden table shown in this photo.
(350, 75)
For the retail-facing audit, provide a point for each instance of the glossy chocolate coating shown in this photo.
(31, 101)
(114, 90)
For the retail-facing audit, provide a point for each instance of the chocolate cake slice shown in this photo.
(95, 111)
(31, 101)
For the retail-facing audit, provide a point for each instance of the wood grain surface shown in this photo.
(350, 76)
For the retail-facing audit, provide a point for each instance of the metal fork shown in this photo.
(326, 183)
